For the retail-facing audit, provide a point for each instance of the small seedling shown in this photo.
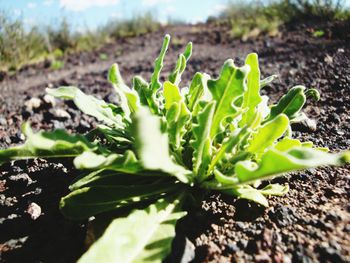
(318, 33)
(162, 144)
(57, 64)
(103, 56)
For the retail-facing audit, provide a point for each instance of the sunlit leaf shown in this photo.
(226, 90)
(144, 236)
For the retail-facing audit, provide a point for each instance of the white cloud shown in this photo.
(31, 5)
(116, 15)
(17, 12)
(216, 9)
(48, 2)
(155, 2)
(80, 5)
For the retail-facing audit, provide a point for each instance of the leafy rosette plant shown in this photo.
(163, 141)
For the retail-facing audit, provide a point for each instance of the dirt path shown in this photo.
(310, 223)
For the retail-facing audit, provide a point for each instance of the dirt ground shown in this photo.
(309, 224)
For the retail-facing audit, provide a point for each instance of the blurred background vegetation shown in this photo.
(252, 18)
(20, 46)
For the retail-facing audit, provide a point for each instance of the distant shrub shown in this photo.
(19, 46)
(135, 26)
(314, 9)
(251, 18)
(57, 64)
(247, 18)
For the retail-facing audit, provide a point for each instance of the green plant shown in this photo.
(162, 144)
(250, 18)
(57, 53)
(135, 26)
(318, 33)
(314, 9)
(20, 46)
(57, 64)
(103, 56)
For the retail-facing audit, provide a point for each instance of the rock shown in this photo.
(32, 104)
(22, 178)
(60, 113)
(232, 247)
(306, 125)
(240, 224)
(189, 252)
(13, 244)
(328, 59)
(243, 243)
(2, 186)
(7, 201)
(283, 215)
(335, 118)
(3, 121)
(34, 210)
(50, 100)
(262, 257)
(267, 238)
(184, 250)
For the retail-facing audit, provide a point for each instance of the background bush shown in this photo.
(19, 46)
(251, 18)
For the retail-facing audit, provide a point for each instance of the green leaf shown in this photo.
(129, 99)
(152, 146)
(251, 98)
(290, 104)
(171, 94)
(287, 143)
(275, 189)
(201, 142)
(226, 90)
(175, 76)
(47, 144)
(147, 97)
(227, 146)
(275, 162)
(177, 115)
(249, 193)
(104, 177)
(267, 81)
(123, 163)
(268, 134)
(144, 236)
(177, 118)
(224, 181)
(158, 65)
(198, 90)
(88, 201)
(313, 93)
(118, 138)
(89, 105)
(141, 86)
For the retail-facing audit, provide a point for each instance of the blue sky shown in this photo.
(84, 14)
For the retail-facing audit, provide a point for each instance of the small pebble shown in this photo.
(33, 103)
(34, 210)
(61, 114)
